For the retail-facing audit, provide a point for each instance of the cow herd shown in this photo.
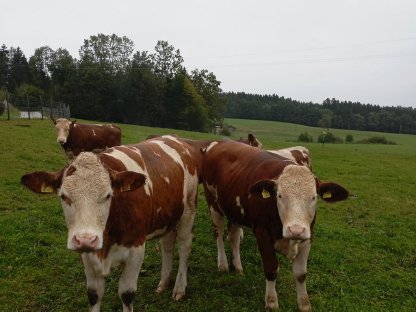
(116, 197)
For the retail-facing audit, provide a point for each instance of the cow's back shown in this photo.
(95, 138)
(230, 168)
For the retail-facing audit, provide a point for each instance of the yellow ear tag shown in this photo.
(125, 188)
(265, 194)
(327, 195)
(46, 188)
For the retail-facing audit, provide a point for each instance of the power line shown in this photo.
(310, 61)
(303, 49)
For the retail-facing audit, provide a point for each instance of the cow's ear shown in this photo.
(125, 181)
(330, 191)
(53, 120)
(263, 189)
(72, 122)
(42, 182)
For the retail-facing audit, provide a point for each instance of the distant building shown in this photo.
(37, 115)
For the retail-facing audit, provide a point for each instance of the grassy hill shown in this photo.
(363, 257)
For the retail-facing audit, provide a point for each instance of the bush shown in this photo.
(349, 138)
(329, 138)
(305, 137)
(377, 140)
(225, 131)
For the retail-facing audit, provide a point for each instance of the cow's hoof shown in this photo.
(239, 271)
(223, 268)
(272, 303)
(304, 305)
(177, 296)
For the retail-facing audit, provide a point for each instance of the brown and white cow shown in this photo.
(273, 196)
(298, 154)
(76, 138)
(115, 201)
(251, 140)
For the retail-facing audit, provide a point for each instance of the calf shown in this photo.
(76, 138)
(272, 195)
(115, 201)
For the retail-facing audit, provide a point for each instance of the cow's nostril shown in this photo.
(296, 230)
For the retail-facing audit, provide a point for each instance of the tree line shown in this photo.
(331, 113)
(111, 82)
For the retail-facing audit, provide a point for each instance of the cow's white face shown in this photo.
(86, 189)
(295, 192)
(62, 130)
(86, 198)
(296, 198)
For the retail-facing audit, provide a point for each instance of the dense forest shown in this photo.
(111, 82)
(330, 114)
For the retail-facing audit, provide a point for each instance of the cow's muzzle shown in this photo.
(85, 242)
(296, 231)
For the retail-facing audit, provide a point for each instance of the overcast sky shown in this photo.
(309, 50)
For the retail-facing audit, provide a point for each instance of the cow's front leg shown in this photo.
(184, 238)
(270, 266)
(128, 281)
(95, 283)
(167, 244)
(299, 270)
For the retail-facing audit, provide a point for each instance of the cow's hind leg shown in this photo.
(128, 281)
(167, 244)
(218, 226)
(299, 270)
(235, 235)
(184, 238)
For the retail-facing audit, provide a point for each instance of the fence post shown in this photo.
(28, 106)
(41, 106)
(50, 107)
(7, 104)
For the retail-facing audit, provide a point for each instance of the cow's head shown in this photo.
(62, 126)
(253, 141)
(295, 192)
(86, 189)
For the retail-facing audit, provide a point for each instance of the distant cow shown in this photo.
(272, 195)
(115, 201)
(76, 138)
(251, 140)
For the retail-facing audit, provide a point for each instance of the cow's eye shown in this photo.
(313, 198)
(108, 197)
(66, 199)
(280, 196)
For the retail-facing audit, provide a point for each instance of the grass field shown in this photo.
(363, 257)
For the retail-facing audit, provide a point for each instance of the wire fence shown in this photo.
(34, 107)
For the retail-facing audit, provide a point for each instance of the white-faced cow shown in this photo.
(273, 196)
(115, 201)
(76, 138)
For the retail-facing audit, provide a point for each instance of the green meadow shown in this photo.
(363, 257)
